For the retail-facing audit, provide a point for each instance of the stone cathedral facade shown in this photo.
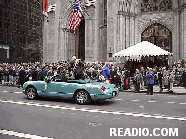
(113, 25)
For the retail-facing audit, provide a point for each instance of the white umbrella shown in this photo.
(142, 49)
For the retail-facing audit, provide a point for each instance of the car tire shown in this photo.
(82, 97)
(31, 93)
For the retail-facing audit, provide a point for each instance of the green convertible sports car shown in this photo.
(83, 91)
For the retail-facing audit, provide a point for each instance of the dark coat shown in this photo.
(22, 77)
(113, 74)
(184, 79)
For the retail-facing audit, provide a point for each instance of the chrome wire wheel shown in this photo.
(82, 97)
(31, 93)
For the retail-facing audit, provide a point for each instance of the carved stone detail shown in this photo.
(128, 6)
(155, 5)
(166, 19)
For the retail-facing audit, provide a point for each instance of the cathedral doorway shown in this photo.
(159, 35)
(81, 45)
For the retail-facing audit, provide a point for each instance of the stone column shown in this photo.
(175, 38)
(184, 38)
(123, 32)
(136, 30)
(45, 44)
(132, 30)
(127, 31)
(181, 35)
(92, 34)
(120, 33)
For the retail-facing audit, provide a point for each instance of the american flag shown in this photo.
(75, 16)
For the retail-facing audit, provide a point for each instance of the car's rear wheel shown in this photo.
(82, 97)
(31, 93)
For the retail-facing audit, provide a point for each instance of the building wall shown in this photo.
(21, 29)
(125, 24)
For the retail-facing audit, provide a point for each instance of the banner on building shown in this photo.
(75, 16)
(45, 7)
(90, 2)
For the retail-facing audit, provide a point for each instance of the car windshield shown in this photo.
(59, 78)
(81, 81)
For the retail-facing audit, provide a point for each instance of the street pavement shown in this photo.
(64, 119)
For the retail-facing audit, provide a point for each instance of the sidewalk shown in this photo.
(176, 90)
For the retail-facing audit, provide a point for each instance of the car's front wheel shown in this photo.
(31, 92)
(82, 97)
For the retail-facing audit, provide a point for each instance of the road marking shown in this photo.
(118, 99)
(172, 96)
(182, 103)
(136, 114)
(152, 101)
(5, 91)
(94, 124)
(135, 100)
(18, 92)
(22, 135)
(171, 102)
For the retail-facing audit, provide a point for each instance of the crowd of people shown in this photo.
(124, 78)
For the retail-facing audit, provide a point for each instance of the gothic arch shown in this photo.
(146, 24)
(159, 35)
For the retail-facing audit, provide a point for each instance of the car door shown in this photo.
(51, 89)
(56, 88)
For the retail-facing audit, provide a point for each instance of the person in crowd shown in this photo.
(106, 72)
(113, 73)
(22, 77)
(41, 75)
(184, 79)
(179, 69)
(95, 73)
(160, 78)
(118, 77)
(34, 74)
(126, 80)
(171, 80)
(137, 78)
(5, 75)
(77, 66)
(1, 74)
(14, 76)
(165, 77)
(143, 73)
(150, 81)
(10, 76)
